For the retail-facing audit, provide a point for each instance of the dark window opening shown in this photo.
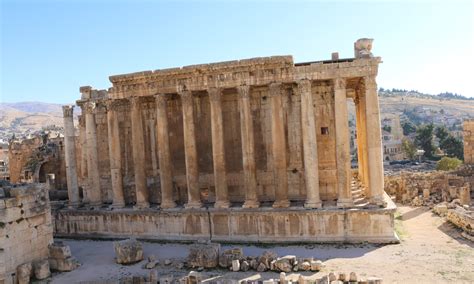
(324, 130)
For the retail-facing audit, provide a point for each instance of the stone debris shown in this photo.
(167, 262)
(153, 276)
(23, 273)
(61, 259)
(235, 265)
(41, 269)
(285, 264)
(204, 255)
(226, 258)
(266, 258)
(261, 267)
(244, 266)
(128, 251)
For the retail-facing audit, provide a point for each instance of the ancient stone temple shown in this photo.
(252, 150)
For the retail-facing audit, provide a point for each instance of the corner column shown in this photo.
(279, 148)
(374, 141)
(190, 150)
(138, 152)
(218, 151)
(343, 156)
(310, 145)
(70, 152)
(248, 148)
(115, 155)
(93, 177)
(164, 154)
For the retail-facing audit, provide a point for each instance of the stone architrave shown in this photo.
(70, 153)
(218, 151)
(374, 141)
(190, 150)
(164, 154)
(248, 148)
(93, 180)
(343, 156)
(310, 145)
(115, 154)
(279, 147)
(138, 152)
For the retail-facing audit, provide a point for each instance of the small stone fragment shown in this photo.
(41, 269)
(282, 278)
(235, 265)
(194, 277)
(332, 277)
(374, 280)
(226, 258)
(316, 265)
(153, 276)
(128, 251)
(167, 261)
(244, 266)
(342, 277)
(305, 266)
(353, 277)
(261, 267)
(253, 264)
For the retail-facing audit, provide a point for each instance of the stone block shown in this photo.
(67, 264)
(204, 255)
(235, 265)
(23, 273)
(316, 265)
(128, 251)
(226, 258)
(41, 269)
(59, 251)
(285, 264)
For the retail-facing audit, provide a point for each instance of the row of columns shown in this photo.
(369, 161)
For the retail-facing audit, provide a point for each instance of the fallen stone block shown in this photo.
(304, 266)
(226, 258)
(244, 266)
(128, 251)
(204, 255)
(285, 264)
(23, 273)
(316, 265)
(63, 265)
(261, 267)
(267, 257)
(41, 269)
(235, 265)
(59, 250)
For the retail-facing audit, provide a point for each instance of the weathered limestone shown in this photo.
(248, 148)
(374, 141)
(468, 138)
(343, 156)
(190, 150)
(218, 152)
(128, 251)
(279, 147)
(139, 154)
(166, 174)
(70, 153)
(93, 188)
(115, 155)
(310, 145)
(204, 255)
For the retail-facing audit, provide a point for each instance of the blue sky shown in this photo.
(50, 48)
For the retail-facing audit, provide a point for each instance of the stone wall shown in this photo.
(26, 228)
(468, 137)
(462, 218)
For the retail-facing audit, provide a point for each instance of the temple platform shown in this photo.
(295, 224)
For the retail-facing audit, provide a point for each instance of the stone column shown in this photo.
(279, 147)
(218, 151)
(164, 154)
(310, 145)
(363, 140)
(190, 150)
(115, 155)
(374, 141)
(359, 137)
(343, 154)
(93, 178)
(248, 148)
(70, 153)
(138, 152)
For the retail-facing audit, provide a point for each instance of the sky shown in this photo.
(51, 48)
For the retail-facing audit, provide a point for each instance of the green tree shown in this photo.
(424, 139)
(453, 147)
(448, 164)
(387, 128)
(409, 148)
(442, 133)
(408, 128)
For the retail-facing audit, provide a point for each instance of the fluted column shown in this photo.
(138, 152)
(310, 145)
(115, 155)
(359, 137)
(374, 141)
(218, 151)
(279, 147)
(343, 156)
(93, 178)
(70, 153)
(248, 148)
(164, 154)
(190, 150)
(363, 141)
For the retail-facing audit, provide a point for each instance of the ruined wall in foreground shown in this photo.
(468, 136)
(26, 228)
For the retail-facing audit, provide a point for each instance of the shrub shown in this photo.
(448, 164)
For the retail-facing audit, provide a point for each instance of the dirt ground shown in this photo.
(431, 251)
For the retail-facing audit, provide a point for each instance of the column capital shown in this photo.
(90, 107)
(304, 86)
(112, 105)
(215, 94)
(134, 101)
(186, 95)
(275, 89)
(68, 110)
(160, 100)
(339, 83)
(369, 81)
(244, 91)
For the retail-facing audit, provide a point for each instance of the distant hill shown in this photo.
(23, 118)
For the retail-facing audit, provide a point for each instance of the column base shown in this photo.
(142, 205)
(167, 205)
(378, 200)
(313, 204)
(193, 204)
(117, 205)
(251, 204)
(222, 204)
(281, 204)
(344, 202)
